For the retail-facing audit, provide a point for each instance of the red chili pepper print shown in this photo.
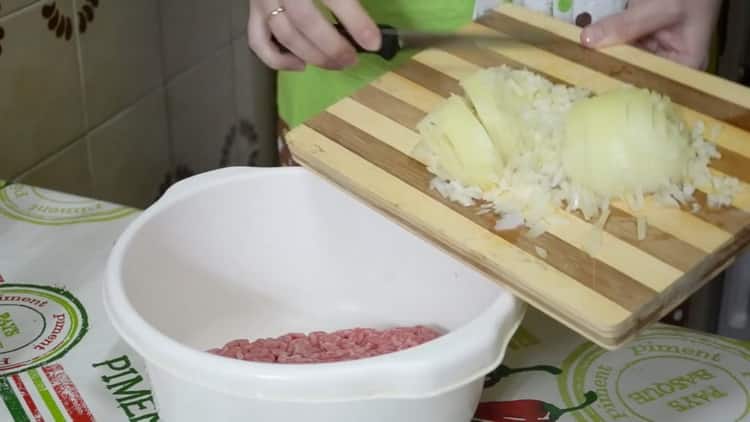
(526, 410)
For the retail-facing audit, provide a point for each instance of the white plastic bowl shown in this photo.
(248, 253)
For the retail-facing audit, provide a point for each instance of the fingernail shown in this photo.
(372, 39)
(592, 36)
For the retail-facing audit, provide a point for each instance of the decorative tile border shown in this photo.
(242, 131)
(246, 130)
(86, 14)
(57, 22)
(2, 34)
(60, 24)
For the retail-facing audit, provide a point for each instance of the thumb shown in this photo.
(638, 20)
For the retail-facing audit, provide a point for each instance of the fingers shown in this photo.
(649, 44)
(259, 39)
(639, 19)
(305, 21)
(662, 48)
(696, 61)
(307, 35)
(357, 22)
(290, 34)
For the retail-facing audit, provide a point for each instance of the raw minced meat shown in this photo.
(320, 346)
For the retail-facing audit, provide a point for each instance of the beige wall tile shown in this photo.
(67, 171)
(40, 106)
(10, 6)
(121, 55)
(193, 30)
(240, 13)
(202, 112)
(256, 104)
(130, 153)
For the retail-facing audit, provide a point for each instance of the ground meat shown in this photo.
(320, 346)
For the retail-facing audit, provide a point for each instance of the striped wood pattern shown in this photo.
(363, 144)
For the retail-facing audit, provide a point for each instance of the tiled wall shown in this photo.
(116, 98)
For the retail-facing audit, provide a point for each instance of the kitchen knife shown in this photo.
(395, 40)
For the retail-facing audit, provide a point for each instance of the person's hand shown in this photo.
(310, 39)
(679, 30)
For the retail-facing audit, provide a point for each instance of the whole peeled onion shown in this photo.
(627, 141)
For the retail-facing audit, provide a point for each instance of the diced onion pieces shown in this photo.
(524, 148)
(603, 219)
(495, 109)
(457, 146)
(509, 221)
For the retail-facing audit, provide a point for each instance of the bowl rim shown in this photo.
(458, 357)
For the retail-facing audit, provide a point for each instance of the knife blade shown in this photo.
(411, 39)
(395, 40)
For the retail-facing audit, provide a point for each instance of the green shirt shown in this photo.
(301, 95)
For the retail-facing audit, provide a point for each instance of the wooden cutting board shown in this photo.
(363, 144)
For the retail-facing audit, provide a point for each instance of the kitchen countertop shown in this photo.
(61, 360)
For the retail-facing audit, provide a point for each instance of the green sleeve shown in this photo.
(301, 95)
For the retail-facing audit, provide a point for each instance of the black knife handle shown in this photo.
(389, 47)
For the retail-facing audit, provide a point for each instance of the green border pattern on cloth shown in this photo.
(11, 210)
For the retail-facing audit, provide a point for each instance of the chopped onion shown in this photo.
(494, 107)
(624, 142)
(509, 221)
(536, 230)
(524, 147)
(464, 152)
(602, 219)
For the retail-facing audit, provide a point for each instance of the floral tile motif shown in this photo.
(60, 24)
(63, 26)
(57, 22)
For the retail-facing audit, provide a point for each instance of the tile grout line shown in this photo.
(47, 159)
(85, 136)
(170, 82)
(128, 108)
(201, 62)
(165, 82)
(23, 9)
(118, 115)
(84, 97)
(164, 86)
(233, 80)
(86, 132)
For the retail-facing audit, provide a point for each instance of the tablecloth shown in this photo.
(61, 360)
